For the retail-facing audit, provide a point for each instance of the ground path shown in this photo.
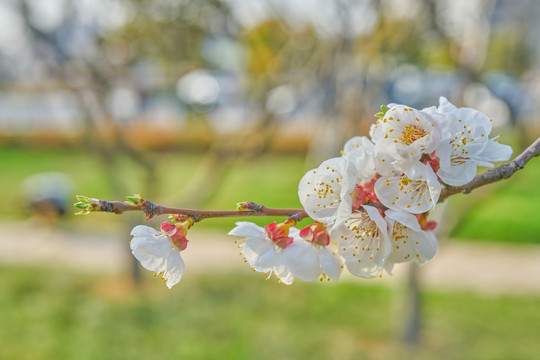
(484, 268)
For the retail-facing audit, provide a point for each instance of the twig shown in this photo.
(502, 172)
(151, 209)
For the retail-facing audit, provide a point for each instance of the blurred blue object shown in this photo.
(48, 193)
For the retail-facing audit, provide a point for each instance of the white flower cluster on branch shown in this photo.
(369, 206)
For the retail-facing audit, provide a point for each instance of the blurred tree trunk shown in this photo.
(413, 306)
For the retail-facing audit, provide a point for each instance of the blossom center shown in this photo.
(411, 133)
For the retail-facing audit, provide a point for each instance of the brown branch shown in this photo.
(151, 209)
(502, 172)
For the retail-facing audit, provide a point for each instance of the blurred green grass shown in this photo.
(53, 314)
(271, 180)
(507, 213)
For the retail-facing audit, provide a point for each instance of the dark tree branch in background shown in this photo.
(493, 175)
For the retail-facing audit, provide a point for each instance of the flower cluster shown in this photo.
(370, 205)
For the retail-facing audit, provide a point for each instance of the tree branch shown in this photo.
(151, 209)
(247, 209)
(502, 172)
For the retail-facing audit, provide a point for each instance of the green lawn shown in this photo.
(507, 212)
(271, 180)
(53, 314)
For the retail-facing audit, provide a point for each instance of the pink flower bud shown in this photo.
(316, 234)
(176, 233)
(279, 234)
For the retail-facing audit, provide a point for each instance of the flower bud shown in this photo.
(316, 234)
(135, 199)
(177, 233)
(87, 205)
(279, 233)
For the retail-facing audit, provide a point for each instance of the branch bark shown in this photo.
(151, 209)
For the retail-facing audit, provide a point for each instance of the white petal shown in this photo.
(459, 174)
(284, 274)
(474, 117)
(247, 229)
(330, 263)
(175, 269)
(402, 193)
(302, 260)
(253, 249)
(446, 106)
(404, 218)
(151, 251)
(151, 262)
(428, 245)
(388, 267)
(366, 271)
(267, 260)
(375, 216)
(444, 153)
(143, 230)
(363, 242)
(255, 245)
(495, 151)
(410, 243)
(361, 152)
(404, 247)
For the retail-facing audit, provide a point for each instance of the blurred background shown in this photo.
(208, 103)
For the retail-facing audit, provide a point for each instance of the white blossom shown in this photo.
(286, 259)
(361, 152)
(363, 242)
(412, 187)
(465, 144)
(409, 241)
(326, 192)
(405, 133)
(157, 253)
(329, 258)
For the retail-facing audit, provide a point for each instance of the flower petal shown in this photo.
(363, 242)
(495, 151)
(175, 269)
(267, 260)
(404, 218)
(247, 229)
(427, 245)
(331, 263)
(409, 242)
(412, 195)
(301, 259)
(143, 230)
(284, 274)
(151, 251)
(361, 152)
